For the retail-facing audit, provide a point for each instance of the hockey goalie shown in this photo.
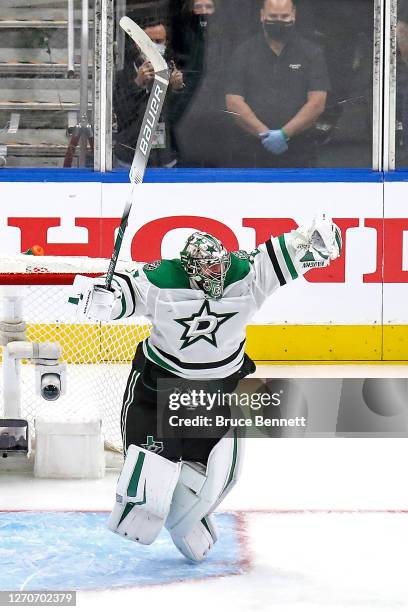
(199, 306)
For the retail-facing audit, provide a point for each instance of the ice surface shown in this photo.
(75, 551)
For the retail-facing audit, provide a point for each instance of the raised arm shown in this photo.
(285, 258)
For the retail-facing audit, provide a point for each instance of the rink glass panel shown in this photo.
(199, 133)
(42, 83)
(45, 87)
(400, 86)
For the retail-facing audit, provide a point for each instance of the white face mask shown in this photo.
(161, 48)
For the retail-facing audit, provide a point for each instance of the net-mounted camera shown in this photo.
(50, 381)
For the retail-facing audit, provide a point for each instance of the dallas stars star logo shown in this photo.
(153, 445)
(202, 325)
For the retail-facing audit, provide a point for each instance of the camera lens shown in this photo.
(50, 392)
(50, 387)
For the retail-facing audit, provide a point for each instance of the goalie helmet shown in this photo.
(206, 261)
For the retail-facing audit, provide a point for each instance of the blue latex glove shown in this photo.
(274, 141)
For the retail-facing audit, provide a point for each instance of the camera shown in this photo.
(51, 381)
(50, 386)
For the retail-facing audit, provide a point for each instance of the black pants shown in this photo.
(139, 426)
(139, 417)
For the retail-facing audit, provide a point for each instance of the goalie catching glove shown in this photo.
(318, 244)
(91, 299)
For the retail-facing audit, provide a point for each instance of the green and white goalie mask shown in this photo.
(207, 262)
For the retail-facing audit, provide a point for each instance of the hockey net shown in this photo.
(98, 354)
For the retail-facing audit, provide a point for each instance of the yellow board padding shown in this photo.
(315, 342)
(395, 339)
(95, 343)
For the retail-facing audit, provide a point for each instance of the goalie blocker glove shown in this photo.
(90, 298)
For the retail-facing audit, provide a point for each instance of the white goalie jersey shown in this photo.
(194, 336)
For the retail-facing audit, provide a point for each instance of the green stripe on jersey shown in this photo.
(287, 257)
(169, 274)
(158, 359)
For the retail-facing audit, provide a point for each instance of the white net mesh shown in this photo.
(98, 354)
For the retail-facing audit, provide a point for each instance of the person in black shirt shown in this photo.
(130, 96)
(276, 89)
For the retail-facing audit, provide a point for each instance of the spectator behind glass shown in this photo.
(203, 11)
(276, 90)
(198, 115)
(344, 30)
(130, 95)
(197, 20)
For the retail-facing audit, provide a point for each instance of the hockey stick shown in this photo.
(147, 131)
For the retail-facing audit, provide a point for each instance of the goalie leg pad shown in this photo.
(198, 493)
(143, 496)
(199, 541)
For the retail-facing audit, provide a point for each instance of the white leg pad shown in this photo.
(143, 495)
(199, 540)
(198, 493)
